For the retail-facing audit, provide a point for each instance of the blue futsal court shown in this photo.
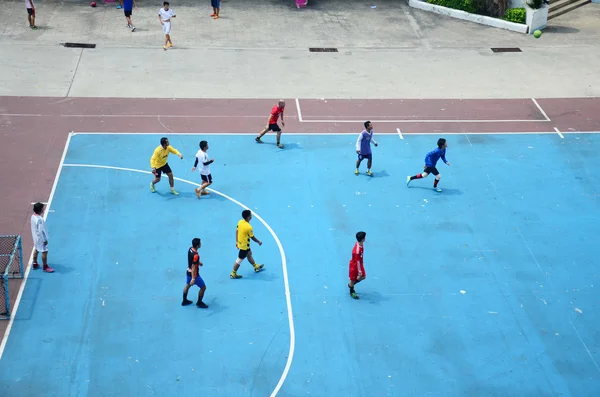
(486, 289)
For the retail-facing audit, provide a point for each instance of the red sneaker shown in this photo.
(35, 266)
(48, 269)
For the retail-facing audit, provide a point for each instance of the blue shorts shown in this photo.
(365, 156)
(199, 282)
(215, 3)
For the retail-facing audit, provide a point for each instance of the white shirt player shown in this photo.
(166, 15)
(202, 157)
(39, 233)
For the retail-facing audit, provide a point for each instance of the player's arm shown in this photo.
(444, 157)
(236, 238)
(253, 237)
(160, 19)
(358, 141)
(374, 141)
(174, 151)
(195, 164)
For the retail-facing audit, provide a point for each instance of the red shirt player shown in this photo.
(272, 123)
(357, 266)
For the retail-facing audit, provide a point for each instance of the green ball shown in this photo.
(537, 34)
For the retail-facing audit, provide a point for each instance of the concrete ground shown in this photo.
(259, 49)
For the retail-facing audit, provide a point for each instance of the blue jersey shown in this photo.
(363, 143)
(128, 5)
(432, 157)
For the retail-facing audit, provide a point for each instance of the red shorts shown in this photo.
(353, 273)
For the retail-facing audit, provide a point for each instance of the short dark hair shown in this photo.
(360, 236)
(367, 124)
(246, 214)
(37, 208)
(166, 3)
(196, 242)
(441, 142)
(163, 140)
(203, 144)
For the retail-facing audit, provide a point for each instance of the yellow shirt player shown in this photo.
(159, 164)
(243, 235)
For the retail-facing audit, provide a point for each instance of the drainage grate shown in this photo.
(79, 45)
(509, 49)
(323, 49)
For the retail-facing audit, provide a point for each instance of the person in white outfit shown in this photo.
(204, 168)
(40, 237)
(164, 16)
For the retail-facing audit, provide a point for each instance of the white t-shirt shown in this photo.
(203, 158)
(165, 15)
(38, 229)
(28, 4)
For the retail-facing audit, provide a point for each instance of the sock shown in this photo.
(436, 183)
(184, 296)
(418, 176)
(351, 289)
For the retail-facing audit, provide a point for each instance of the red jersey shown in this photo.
(275, 112)
(357, 254)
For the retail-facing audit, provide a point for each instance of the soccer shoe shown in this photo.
(175, 192)
(353, 295)
(165, 47)
(437, 189)
(280, 146)
(369, 173)
(170, 45)
(35, 266)
(258, 140)
(201, 305)
(186, 302)
(258, 268)
(356, 172)
(234, 276)
(407, 180)
(197, 192)
(48, 269)
(204, 193)
(152, 189)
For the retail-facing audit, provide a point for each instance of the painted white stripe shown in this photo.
(399, 133)
(43, 202)
(28, 264)
(298, 109)
(585, 346)
(540, 109)
(418, 121)
(333, 133)
(558, 132)
(281, 253)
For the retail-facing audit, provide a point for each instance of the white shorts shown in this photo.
(166, 27)
(40, 247)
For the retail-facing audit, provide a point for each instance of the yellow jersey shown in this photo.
(244, 234)
(161, 155)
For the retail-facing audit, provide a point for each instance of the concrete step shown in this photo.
(563, 6)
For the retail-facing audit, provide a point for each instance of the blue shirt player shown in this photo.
(431, 160)
(363, 147)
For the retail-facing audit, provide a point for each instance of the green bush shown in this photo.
(516, 15)
(463, 5)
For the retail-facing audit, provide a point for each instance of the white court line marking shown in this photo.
(28, 264)
(323, 133)
(584, 345)
(399, 133)
(277, 241)
(540, 109)
(558, 132)
(43, 202)
(299, 111)
(418, 121)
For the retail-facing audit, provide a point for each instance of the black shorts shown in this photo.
(274, 127)
(165, 168)
(206, 178)
(243, 253)
(31, 12)
(431, 170)
(128, 13)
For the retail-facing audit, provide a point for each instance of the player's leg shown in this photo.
(167, 170)
(369, 163)
(206, 182)
(256, 266)
(157, 173)
(188, 284)
(418, 176)
(437, 175)
(242, 254)
(262, 133)
(353, 275)
(169, 39)
(277, 129)
(47, 268)
(358, 161)
(200, 283)
(35, 263)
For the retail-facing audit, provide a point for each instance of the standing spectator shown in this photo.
(216, 5)
(128, 10)
(30, 13)
(40, 237)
